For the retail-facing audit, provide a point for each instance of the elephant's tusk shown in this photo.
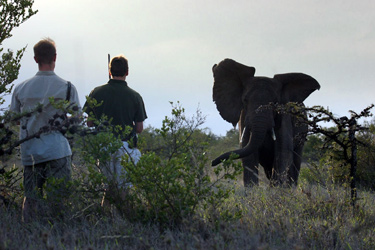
(243, 132)
(273, 135)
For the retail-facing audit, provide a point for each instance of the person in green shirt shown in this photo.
(123, 107)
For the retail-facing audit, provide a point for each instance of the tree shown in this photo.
(342, 140)
(314, 148)
(366, 156)
(12, 14)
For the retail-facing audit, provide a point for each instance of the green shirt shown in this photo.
(121, 104)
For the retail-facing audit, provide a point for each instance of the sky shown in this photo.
(172, 45)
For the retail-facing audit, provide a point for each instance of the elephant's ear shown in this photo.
(229, 78)
(296, 87)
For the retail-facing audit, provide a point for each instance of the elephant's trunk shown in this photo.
(256, 139)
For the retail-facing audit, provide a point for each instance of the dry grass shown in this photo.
(306, 217)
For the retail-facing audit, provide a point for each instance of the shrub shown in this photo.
(172, 180)
(174, 184)
(366, 157)
(12, 14)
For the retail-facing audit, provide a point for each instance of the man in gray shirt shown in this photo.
(48, 155)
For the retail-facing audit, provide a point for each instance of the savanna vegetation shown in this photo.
(178, 201)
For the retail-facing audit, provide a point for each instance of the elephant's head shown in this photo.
(229, 83)
(237, 91)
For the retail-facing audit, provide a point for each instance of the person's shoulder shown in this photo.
(99, 89)
(61, 80)
(135, 93)
(20, 85)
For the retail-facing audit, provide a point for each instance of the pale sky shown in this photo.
(172, 45)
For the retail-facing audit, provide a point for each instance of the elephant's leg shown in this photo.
(293, 171)
(299, 138)
(283, 151)
(250, 174)
(282, 162)
(249, 163)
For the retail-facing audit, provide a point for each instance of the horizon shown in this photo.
(171, 47)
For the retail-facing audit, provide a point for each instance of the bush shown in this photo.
(328, 155)
(12, 14)
(171, 182)
(366, 157)
(174, 184)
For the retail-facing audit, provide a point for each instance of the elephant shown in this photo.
(272, 139)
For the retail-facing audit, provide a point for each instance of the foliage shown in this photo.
(9, 68)
(221, 144)
(366, 157)
(10, 190)
(323, 151)
(172, 180)
(342, 154)
(13, 13)
(310, 216)
(174, 183)
(314, 148)
(94, 148)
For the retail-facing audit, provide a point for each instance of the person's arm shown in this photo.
(138, 127)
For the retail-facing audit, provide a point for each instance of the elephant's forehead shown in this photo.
(260, 83)
(224, 73)
(263, 79)
(227, 62)
(222, 68)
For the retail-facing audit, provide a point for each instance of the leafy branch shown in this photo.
(343, 133)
